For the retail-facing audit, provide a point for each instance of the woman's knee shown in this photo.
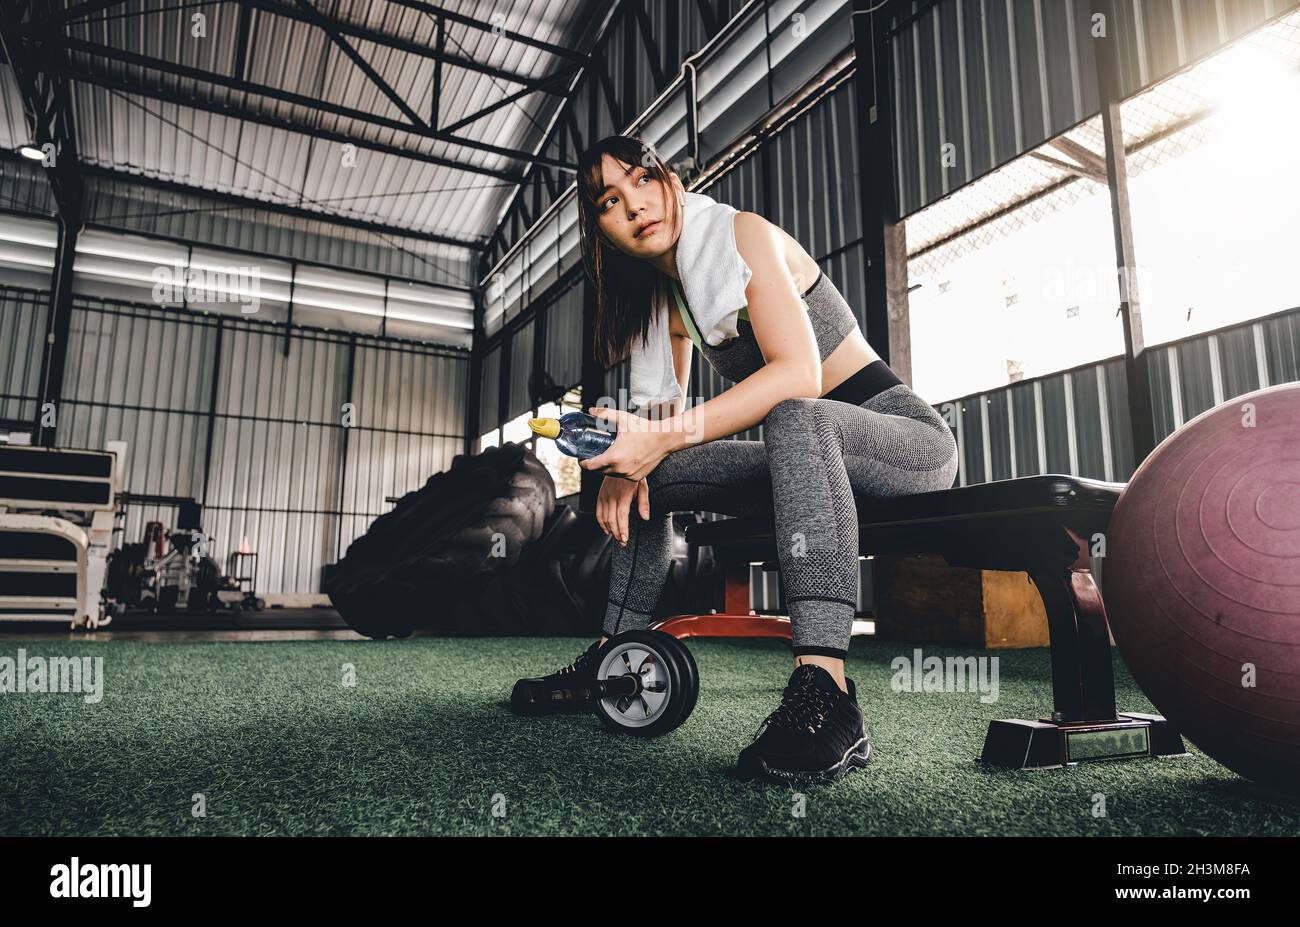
(804, 419)
(793, 411)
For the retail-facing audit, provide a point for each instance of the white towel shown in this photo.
(713, 278)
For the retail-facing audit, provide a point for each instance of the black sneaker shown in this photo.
(815, 735)
(566, 690)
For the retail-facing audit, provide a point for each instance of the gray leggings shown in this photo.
(816, 454)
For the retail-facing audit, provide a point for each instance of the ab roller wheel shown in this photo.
(646, 683)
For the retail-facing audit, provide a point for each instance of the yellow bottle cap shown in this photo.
(546, 427)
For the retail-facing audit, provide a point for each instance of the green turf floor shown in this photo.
(424, 743)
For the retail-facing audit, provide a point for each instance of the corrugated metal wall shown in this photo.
(1077, 421)
(521, 362)
(489, 391)
(995, 78)
(23, 188)
(561, 354)
(562, 357)
(408, 424)
(22, 335)
(277, 473)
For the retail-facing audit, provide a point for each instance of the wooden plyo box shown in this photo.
(925, 600)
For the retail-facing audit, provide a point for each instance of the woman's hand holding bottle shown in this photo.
(638, 447)
(624, 447)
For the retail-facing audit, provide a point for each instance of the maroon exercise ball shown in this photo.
(1202, 582)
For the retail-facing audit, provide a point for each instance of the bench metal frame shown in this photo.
(43, 479)
(1040, 525)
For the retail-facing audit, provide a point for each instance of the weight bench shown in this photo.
(1041, 525)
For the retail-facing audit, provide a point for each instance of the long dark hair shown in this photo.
(626, 287)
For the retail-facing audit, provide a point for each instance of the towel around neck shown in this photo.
(713, 279)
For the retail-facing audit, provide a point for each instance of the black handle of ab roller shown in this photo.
(626, 686)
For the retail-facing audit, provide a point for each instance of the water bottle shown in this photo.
(576, 433)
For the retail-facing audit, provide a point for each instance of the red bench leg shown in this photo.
(737, 618)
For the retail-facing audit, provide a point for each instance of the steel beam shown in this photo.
(575, 134)
(241, 42)
(711, 24)
(1081, 153)
(58, 324)
(214, 395)
(276, 122)
(310, 103)
(88, 8)
(420, 49)
(336, 36)
(430, 10)
(343, 442)
(546, 84)
(1076, 169)
(474, 387)
(1136, 359)
(884, 247)
(653, 55)
(627, 91)
(437, 71)
(83, 10)
(31, 38)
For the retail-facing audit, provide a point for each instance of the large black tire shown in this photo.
(560, 585)
(426, 563)
(125, 574)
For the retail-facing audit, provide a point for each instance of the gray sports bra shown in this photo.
(831, 316)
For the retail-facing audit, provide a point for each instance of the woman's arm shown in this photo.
(792, 364)
(619, 495)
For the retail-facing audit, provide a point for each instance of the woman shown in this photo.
(835, 420)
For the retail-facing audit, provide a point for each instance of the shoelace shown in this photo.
(579, 665)
(802, 708)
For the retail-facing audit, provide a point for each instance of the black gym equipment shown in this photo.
(484, 549)
(645, 684)
(426, 563)
(178, 579)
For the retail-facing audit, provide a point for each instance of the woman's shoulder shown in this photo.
(755, 238)
(749, 227)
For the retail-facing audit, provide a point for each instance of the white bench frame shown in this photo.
(91, 563)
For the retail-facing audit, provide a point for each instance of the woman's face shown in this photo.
(633, 210)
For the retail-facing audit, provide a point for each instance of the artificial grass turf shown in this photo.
(425, 744)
